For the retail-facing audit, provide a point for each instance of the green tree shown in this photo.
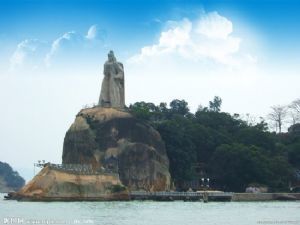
(181, 150)
(254, 136)
(294, 154)
(215, 104)
(143, 110)
(236, 166)
(232, 151)
(179, 107)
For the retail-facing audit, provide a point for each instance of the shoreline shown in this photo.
(171, 196)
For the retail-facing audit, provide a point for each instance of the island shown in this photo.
(10, 180)
(107, 152)
(159, 152)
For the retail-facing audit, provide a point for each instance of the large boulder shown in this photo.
(101, 135)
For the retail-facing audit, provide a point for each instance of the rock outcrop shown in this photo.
(54, 185)
(107, 137)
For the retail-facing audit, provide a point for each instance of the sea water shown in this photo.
(149, 213)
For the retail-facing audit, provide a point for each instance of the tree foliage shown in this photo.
(233, 153)
(215, 104)
(11, 177)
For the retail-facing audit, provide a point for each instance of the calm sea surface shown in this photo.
(149, 213)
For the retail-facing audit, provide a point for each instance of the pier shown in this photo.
(183, 196)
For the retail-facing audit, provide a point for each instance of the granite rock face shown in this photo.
(101, 134)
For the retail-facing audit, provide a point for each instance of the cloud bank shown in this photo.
(195, 60)
(210, 37)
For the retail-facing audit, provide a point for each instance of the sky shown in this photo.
(52, 55)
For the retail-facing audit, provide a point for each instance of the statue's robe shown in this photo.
(112, 89)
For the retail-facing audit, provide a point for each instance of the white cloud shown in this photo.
(34, 53)
(26, 52)
(67, 41)
(177, 36)
(174, 39)
(209, 37)
(73, 44)
(213, 25)
(92, 32)
(196, 60)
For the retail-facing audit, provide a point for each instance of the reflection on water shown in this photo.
(149, 213)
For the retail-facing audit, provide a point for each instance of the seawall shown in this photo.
(239, 197)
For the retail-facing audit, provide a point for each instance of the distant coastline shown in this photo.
(10, 180)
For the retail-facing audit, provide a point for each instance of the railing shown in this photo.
(92, 105)
(81, 169)
(185, 196)
(180, 194)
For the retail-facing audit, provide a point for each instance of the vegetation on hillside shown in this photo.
(11, 178)
(229, 150)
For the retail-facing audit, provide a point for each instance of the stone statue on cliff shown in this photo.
(112, 89)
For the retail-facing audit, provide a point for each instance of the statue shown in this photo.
(112, 89)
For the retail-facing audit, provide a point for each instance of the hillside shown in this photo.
(9, 179)
(226, 152)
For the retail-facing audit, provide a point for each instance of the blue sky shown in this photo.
(52, 54)
(134, 23)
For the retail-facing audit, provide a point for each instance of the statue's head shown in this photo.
(111, 56)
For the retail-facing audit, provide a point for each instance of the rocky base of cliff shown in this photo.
(53, 185)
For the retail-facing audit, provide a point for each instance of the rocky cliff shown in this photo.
(55, 185)
(106, 137)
